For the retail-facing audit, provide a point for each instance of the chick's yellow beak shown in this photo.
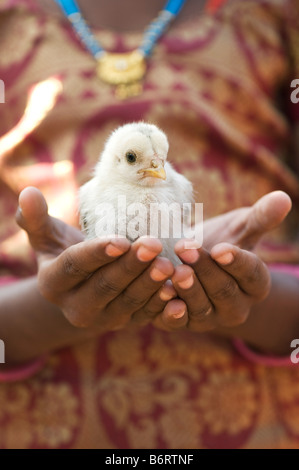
(156, 170)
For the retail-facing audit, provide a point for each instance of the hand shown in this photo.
(219, 289)
(214, 290)
(97, 283)
(245, 226)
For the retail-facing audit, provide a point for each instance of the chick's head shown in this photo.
(136, 153)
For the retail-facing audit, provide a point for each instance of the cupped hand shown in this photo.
(109, 283)
(245, 226)
(97, 283)
(215, 289)
(218, 284)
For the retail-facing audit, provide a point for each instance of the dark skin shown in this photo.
(83, 290)
(80, 292)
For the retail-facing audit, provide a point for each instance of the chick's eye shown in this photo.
(131, 157)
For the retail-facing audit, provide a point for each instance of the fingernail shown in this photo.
(179, 313)
(186, 283)
(165, 296)
(227, 258)
(167, 293)
(157, 275)
(112, 250)
(189, 256)
(19, 214)
(144, 254)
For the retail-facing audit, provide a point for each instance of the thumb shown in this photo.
(32, 216)
(266, 214)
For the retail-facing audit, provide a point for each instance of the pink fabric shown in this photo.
(265, 360)
(7, 280)
(23, 372)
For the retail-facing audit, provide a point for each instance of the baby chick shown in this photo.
(132, 185)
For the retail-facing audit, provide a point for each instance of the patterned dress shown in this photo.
(219, 86)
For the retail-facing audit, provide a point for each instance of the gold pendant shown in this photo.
(125, 71)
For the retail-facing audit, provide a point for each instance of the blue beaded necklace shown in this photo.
(123, 70)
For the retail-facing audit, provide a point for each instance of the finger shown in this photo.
(190, 290)
(32, 213)
(174, 316)
(107, 283)
(186, 255)
(155, 304)
(43, 230)
(229, 301)
(266, 214)
(200, 309)
(77, 263)
(137, 295)
(245, 267)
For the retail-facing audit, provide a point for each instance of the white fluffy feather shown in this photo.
(114, 176)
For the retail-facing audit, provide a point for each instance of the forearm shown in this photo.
(30, 325)
(273, 323)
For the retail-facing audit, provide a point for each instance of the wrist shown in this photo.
(31, 326)
(273, 323)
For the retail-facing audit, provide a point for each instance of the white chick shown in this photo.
(132, 173)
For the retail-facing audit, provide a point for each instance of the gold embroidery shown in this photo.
(228, 402)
